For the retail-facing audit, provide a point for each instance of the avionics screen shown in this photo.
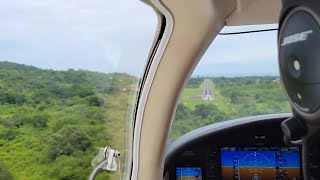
(188, 173)
(260, 163)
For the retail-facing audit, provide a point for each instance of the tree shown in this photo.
(68, 140)
(40, 121)
(257, 97)
(19, 120)
(8, 135)
(234, 98)
(4, 173)
(96, 101)
(12, 98)
(182, 112)
(205, 110)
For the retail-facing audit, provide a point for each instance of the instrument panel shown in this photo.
(260, 163)
(246, 149)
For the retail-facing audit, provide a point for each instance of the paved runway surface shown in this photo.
(207, 93)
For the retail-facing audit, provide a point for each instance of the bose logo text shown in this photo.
(296, 38)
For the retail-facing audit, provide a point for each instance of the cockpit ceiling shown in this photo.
(251, 12)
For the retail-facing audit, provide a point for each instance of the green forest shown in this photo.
(51, 122)
(234, 97)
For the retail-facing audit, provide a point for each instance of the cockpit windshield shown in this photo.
(237, 77)
(69, 76)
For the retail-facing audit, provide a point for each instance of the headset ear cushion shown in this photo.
(299, 63)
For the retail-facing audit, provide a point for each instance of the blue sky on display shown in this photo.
(114, 36)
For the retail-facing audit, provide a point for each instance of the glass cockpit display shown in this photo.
(254, 163)
(188, 173)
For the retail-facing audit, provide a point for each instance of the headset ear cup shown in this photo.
(299, 51)
(299, 65)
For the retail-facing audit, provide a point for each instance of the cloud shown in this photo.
(241, 49)
(241, 54)
(97, 35)
(109, 36)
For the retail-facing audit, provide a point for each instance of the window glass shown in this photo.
(69, 75)
(237, 77)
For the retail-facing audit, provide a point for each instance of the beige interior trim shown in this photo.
(131, 173)
(195, 26)
(249, 12)
(156, 54)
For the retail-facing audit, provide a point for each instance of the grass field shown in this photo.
(192, 97)
(234, 97)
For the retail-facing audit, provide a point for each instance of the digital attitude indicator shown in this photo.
(260, 163)
(189, 173)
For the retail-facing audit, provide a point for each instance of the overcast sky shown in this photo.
(113, 35)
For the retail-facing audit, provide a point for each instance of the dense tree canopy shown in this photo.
(51, 122)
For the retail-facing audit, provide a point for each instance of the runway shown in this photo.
(207, 93)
